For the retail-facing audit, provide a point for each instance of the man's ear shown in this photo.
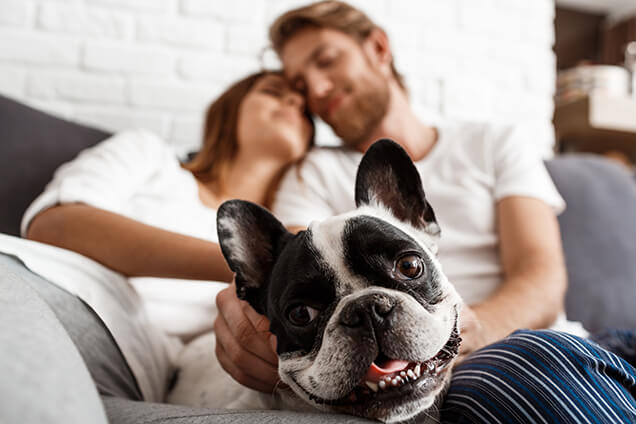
(251, 239)
(387, 176)
(378, 50)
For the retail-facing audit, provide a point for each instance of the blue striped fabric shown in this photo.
(542, 376)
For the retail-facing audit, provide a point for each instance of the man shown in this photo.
(494, 201)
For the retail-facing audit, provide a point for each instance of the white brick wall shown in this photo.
(158, 63)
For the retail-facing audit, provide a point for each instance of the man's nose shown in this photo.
(318, 85)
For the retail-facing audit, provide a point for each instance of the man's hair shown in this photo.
(331, 14)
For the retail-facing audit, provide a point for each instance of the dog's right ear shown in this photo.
(251, 239)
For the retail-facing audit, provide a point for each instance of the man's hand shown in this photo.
(472, 332)
(244, 345)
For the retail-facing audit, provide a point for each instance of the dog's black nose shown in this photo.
(373, 309)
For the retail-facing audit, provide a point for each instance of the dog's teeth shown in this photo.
(417, 371)
(394, 382)
(411, 374)
(381, 384)
(402, 374)
(371, 385)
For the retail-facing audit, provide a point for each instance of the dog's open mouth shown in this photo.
(389, 378)
(387, 375)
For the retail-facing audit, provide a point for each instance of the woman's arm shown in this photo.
(128, 246)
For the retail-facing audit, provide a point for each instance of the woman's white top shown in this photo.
(137, 175)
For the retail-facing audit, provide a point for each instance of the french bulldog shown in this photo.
(366, 321)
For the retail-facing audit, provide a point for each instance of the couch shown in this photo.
(598, 232)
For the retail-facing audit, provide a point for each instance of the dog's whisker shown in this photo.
(431, 416)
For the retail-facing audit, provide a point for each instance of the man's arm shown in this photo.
(533, 291)
(128, 246)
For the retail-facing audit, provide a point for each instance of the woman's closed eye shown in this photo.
(273, 91)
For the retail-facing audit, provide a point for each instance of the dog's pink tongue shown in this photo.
(376, 372)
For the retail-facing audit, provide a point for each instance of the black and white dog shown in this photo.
(365, 320)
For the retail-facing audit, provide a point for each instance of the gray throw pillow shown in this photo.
(598, 230)
(32, 145)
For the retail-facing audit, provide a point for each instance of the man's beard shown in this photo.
(368, 107)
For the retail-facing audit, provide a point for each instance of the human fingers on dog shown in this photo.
(261, 325)
(238, 316)
(239, 361)
(252, 373)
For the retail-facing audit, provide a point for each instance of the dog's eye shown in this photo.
(302, 315)
(410, 266)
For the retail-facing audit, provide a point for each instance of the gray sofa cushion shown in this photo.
(598, 230)
(32, 145)
(124, 411)
(43, 378)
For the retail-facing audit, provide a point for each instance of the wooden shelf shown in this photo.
(597, 123)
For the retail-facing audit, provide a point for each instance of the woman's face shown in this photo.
(272, 121)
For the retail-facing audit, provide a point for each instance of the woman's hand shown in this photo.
(244, 346)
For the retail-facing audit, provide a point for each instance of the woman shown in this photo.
(156, 218)
(131, 206)
(253, 131)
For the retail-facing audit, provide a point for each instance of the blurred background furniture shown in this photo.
(595, 101)
(597, 123)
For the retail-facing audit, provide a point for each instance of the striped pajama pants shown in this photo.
(542, 376)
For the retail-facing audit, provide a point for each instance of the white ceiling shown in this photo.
(614, 8)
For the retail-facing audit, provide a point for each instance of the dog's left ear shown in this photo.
(387, 175)
(251, 239)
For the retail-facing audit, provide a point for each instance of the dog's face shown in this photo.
(365, 319)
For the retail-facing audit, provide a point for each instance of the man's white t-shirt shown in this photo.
(469, 169)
